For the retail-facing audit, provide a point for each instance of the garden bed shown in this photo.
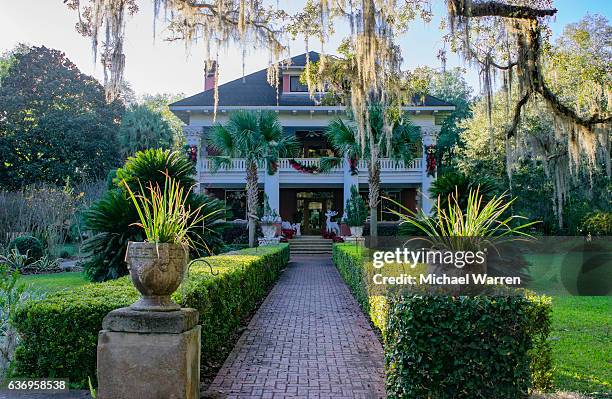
(487, 346)
(59, 333)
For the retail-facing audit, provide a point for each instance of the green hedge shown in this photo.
(59, 333)
(468, 347)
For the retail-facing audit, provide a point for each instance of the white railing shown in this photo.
(285, 166)
(386, 165)
(238, 164)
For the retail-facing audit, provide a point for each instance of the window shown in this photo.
(296, 86)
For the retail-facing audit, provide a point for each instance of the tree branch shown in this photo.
(497, 9)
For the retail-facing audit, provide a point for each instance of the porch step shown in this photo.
(307, 245)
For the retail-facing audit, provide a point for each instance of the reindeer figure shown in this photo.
(331, 227)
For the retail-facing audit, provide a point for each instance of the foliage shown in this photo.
(142, 128)
(159, 103)
(356, 211)
(55, 123)
(458, 186)
(462, 347)
(12, 297)
(44, 211)
(451, 86)
(449, 347)
(29, 246)
(112, 219)
(480, 223)
(59, 333)
(598, 224)
(164, 213)
(257, 137)
(152, 165)
(269, 215)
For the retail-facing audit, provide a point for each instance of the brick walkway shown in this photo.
(309, 339)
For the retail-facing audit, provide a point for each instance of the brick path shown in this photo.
(309, 339)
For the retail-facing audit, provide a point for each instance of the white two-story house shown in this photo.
(301, 197)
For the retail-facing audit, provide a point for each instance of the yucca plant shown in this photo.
(165, 215)
(110, 221)
(479, 224)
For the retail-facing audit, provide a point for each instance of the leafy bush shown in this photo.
(356, 211)
(447, 347)
(59, 333)
(597, 224)
(385, 229)
(11, 299)
(459, 347)
(112, 219)
(452, 183)
(30, 246)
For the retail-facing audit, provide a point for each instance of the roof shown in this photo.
(254, 90)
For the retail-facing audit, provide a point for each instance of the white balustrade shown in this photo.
(386, 165)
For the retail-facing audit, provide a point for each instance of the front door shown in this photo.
(311, 209)
(314, 216)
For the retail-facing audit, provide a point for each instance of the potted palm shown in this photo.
(356, 213)
(157, 266)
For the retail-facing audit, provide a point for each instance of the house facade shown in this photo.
(297, 195)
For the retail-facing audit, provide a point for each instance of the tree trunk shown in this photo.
(374, 192)
(251, 191)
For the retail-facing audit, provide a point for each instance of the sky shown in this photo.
(158, 66)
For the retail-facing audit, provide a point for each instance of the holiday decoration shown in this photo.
(192, 152)
(431, 159)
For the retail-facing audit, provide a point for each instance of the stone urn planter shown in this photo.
(157, 270)
(268, 230)
(356, 231)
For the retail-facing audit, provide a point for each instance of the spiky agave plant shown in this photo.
(478, 224)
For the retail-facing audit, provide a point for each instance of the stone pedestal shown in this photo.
(153, 355)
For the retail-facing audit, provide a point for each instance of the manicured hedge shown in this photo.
(447, 347)
(59, 333)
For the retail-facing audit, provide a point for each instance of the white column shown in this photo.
(193, 136)
(272, 190)
(348, 180)
(430, 136)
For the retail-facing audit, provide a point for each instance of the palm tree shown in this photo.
(401, 145)
(256, 137)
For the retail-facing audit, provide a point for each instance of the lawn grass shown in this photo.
(48, 283)
(581, 338)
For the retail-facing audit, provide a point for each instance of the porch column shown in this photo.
(430, 136)
(272, 190)
(193, 137)
(348, 181)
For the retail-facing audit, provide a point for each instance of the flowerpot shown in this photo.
(156, 270)
(268, 230)
(356, 231)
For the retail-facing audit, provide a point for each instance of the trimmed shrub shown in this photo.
(459, 347)
(30, 246)
(385, 229)
(446, 347)
(59, 333)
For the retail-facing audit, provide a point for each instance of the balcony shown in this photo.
(391, 172)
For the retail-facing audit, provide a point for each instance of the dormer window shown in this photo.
(295, 86)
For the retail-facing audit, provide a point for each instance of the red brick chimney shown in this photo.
(210, 74)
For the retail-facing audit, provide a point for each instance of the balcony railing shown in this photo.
(386, 165)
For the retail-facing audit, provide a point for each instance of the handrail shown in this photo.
(386, 165)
